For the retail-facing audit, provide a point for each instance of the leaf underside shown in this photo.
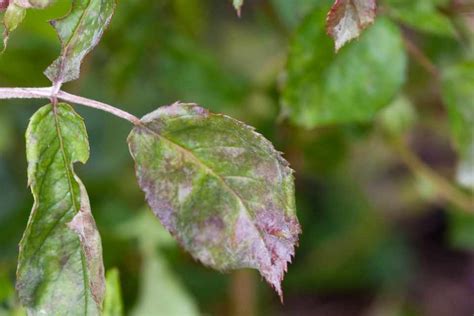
(60, 267)
(79, 32)
(219, 187)
(348, 18)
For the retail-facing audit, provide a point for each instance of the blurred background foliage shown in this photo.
(377, 238)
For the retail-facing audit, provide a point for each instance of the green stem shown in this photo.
(444, 188)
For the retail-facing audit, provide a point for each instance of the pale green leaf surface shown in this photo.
(160, 291)
(397, 118)
(113, 305)
(326, 88)
(79, 32)
(458, 96)
(60, 270)
(219, 187)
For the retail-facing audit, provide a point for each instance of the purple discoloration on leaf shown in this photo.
(219, 187)
(60, 267)
(348, 18)
(4, 4)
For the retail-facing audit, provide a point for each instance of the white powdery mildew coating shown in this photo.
(269, 245)
(348, 18)
(226, 196)
(79, 33)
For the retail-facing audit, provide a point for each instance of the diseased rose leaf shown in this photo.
(219, 187)
(15, 13)
(12, 17)
(79, 32)
(324, 88)
(37, 4)
(348, 18)
(60, 269)
(238, 5)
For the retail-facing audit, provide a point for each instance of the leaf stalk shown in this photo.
(50, 93)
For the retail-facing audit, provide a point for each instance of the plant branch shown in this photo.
(444, 188)
(47, 93)
(420, 57)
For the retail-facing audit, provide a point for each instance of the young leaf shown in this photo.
(60, 268)
(327, 88)
(238, 5)
(113, 305)
(219, 187)
(79, 32)
(348, 18)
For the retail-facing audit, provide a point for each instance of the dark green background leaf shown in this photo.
(351, 86)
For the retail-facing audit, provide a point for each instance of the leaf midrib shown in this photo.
(68, 167)
(190, 154)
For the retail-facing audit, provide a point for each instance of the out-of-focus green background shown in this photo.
(376, 239)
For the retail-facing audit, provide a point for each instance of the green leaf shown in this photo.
(60, 268)
(238, 5)
(15, 13)
(160, 290)
(461, 230)
(113, 305)
(80, 31)
(397, 118)
(422, 15)
(12, 17)
(348, 18)
(326, 88)
(458, 95)
(219, 187)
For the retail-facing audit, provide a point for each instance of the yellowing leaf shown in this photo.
(348, 18)
(219, 187)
